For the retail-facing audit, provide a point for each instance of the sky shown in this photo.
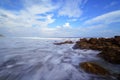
(60, 18)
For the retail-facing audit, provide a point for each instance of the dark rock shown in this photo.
(118, 76)
(65, 42)
(109, 47)
(94, 68)
(117, 40)
(110, 55)
(1, 35)
(93, 40)
(82, 43)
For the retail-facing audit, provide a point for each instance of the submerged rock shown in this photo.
(65, 42)
(94, 68)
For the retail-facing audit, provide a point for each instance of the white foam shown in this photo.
(42, 60)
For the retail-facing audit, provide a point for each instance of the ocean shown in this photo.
(33, 58)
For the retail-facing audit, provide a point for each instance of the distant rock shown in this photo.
(65, 42)
(109, 47)
(94, 68)
(1, 35)
(97, 44)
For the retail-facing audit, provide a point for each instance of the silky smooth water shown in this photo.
(40, 59)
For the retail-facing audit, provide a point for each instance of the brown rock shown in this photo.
(93, 40)
(111, 55)
(117, 40)
(110, 47)
(65, 42)
(83, 44)
(94, 68)
(84, 40)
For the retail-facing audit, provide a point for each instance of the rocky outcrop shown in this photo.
(117, 40)
(110, 55)
(65, 42)
(98, 44)
(109, 47)
(94, 68)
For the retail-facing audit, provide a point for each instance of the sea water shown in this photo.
(39, 59)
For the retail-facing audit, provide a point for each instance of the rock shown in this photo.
(93, 40)
(109, 47)
(110, 55)
(1, 35)
(94, 68)
(82, 43)
(97, 44)
(65, 42)
(118, 76)
(117, 40)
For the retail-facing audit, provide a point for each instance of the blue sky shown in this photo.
(60, 18)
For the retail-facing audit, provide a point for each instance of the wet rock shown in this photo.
(117, 40)
(110, 55)
(94, 68)
(65, 42)
(109, 47)
(1, 35)
(98, 44)
(82, 44)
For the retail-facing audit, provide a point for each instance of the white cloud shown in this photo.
(66, 25)
(35, 18)
(29, 20)
(107, 18)
(71, 8)
(99, 26)
(24, 19)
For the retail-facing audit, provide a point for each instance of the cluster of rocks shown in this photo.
(109, 47)
(65, 42)
(110, 52)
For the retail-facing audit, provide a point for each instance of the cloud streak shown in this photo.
(71, 8)
(107, 18)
